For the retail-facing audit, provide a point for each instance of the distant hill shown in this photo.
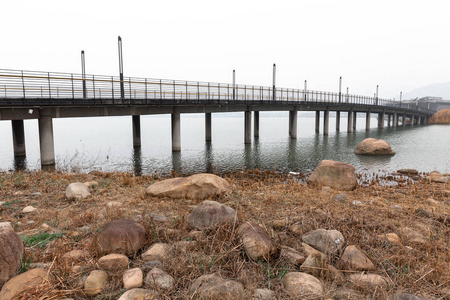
(434, 90)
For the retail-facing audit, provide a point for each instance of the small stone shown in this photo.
(312, 265)
(113, 262)
(263, 294)
(31, 222)
(327, 241)
(432, 202)
(94, 283)
(2, 202)
(355, 259)
(158, 251)
(76, 270)
(40, 265)
(357, 203)
(296, 228)
(139, 294)
(91, 184)
(405, 296)
(302, 286)
(310, 250)
(397, 207)
(148, 265)
(210, 213)
(392, 238)
(133, 278)
(29, 209)
(408, 171)
(279, 223)
(257, 243)
(45, 226)
(112, 204)
(413, 237)
(341, 198)
(6, 226)
(212, 286)
(76, 255)
(159, 279)
(291, 255)
(371, 281)
(185, 246)
(77, 191)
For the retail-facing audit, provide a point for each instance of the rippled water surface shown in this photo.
(105, 143)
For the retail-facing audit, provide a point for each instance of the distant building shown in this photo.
(430, 102)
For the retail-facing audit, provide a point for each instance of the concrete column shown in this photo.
(46, 139)
(247, 127)
(176, 130)
(412, 120)
(419, 120)
(354, 120)
(256, 124)
(18, 134)
(293, 124)
(317, 121)
(326, 121)
(404, 120)
(208, 127)
(350, 121)
(368, 121)
(381, 120)
(136, 120)
(389, 120)
(338, 120)
(395, 121)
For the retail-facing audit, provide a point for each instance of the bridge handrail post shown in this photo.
(160, 88)
(198, 91)
(93, 86)
(209, 97)
(112, 88)
(129, 87)
(253, 93)
(145, 90)
(73, 92)
(174, 89)
(23, 87)
(49, 90)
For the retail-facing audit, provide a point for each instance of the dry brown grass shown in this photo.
(441, 117)
(259, 196)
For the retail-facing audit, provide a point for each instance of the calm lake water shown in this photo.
(105, 143)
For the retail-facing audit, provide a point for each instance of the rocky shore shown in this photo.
(244, 235)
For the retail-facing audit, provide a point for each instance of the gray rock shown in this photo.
(159, 279)
(326, 241)
(139, 294)
(341, 198)
(210, 213)
(302, 286)
(212, 286)
(263, 294)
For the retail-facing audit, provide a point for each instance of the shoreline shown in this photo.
(284, 206)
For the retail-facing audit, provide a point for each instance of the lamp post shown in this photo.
(305, 90)
(340, 88)
(234, 84)
(376, 96)
(122, 90)
(83, 73)
(273, 83)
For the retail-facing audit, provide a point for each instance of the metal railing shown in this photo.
(100, 89)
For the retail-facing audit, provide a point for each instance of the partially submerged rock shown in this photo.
(198, 187)
(375, 147)
(335, 174)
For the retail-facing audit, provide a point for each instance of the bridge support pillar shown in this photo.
(381, 120)
(247, 127)
(293, 124)
(317, 121)
(46, 139)
(368, 121)
(176, 130)
(326, 121)
(350, 121)
(338, 120)
(136, 120)
(208, 126)
(256, 124)
(419, 120)
(354, 120)
(18, 134)
(395, 121)
(413, 118)
(404, 120)
(389, 120)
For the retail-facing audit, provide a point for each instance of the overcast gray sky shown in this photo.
(398, 44)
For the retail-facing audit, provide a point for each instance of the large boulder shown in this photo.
(212, 286)
(256, 242)
(11, 253)
(210, 213)
(28, 280)
(121, 236)
(335, 174)
(198, 187)
(327, 241)
(373, 147)
(302, 286)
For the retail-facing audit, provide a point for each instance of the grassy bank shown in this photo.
(60, 225)
(441, 117)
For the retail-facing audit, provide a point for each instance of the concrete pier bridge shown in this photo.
(44, 96)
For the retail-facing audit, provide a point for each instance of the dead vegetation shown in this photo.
(441, 117)
(259, 196)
